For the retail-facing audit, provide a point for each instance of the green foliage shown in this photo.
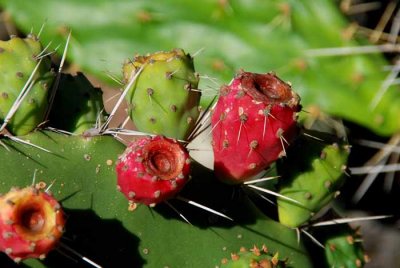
(256, 35)
(100, 225)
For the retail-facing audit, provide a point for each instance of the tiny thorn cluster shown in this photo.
(153, 169)
(253, 122)
(31, 223)
(253, 258)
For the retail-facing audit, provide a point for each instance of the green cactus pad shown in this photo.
(18, 59)
(255, 35)
(77, 104)
(164, 99)
(103, 227)
(311, 177)
(343, 246)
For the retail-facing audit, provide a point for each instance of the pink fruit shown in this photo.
(152, 170)
(253, 121)
(31, 223)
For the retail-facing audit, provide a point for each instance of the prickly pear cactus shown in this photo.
(31, 223)
(228, 39)
(253, 122)
(153, 169)
(81, 174)
(311, 178)
(343, 246)
(164, 98)
(18, 59)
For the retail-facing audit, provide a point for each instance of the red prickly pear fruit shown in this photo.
(31, 223)
(252, 123)
(153, 169)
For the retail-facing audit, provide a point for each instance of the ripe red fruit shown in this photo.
(253, 121)
(31, 223)
(152, 170)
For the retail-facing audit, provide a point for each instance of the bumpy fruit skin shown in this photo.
(31, 223)
(164, 100)
(253, 258)
(311, 177)
(18, 58)
(152, 170)
(254, 119)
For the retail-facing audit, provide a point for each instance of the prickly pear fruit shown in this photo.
(252, 123)
(343, 246)
(253, 258)
(77, 105)
(312, 178)
(18, 59)
(164, 99)
(152, 170)
(31, 223)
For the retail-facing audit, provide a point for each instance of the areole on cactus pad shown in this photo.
(153, 169)
(252, 123)
(31, 223)
(254, 257)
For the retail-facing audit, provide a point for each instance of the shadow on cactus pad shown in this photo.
(106, 242)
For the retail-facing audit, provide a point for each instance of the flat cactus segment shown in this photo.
(312, 178)
(164, 99)
(18, 59)
(343, 246)
(77, 106)
(81, 174)
(240, 34)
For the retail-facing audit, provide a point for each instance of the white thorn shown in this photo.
(348, 220)
(261, 180)
(16, 139)
(121, 98)
(24, 92)
(177, 212)
(34, 178)
(273, 193)
(313, 238)
(191, 202)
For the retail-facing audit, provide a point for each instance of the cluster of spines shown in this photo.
(254, 257)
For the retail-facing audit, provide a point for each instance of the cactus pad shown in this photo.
(18, 59)
(311, 178)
